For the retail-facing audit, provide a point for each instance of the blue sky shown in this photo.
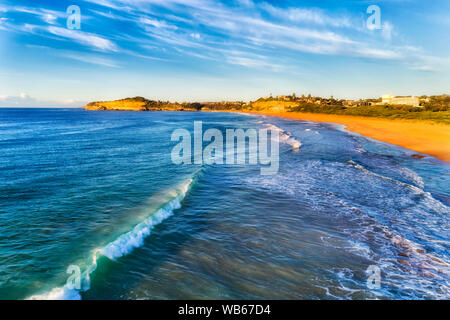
(186, 50)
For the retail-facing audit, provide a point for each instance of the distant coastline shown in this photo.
(432, 108)
(424, 131)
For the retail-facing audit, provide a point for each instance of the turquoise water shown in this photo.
(99, 190)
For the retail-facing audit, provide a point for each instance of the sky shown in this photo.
(210, 50)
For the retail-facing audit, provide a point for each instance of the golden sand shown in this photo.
(421, 136)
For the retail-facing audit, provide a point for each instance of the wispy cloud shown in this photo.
(263, 27)
(84, 38)
(157, 23)
(253, 62)
(24, 100)
(293, 29)
(47, 16)
(307, 16)
(90, 59)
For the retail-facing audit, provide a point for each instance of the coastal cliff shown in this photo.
(129, 104)
(142, 104)
(437, 109)
(133, 104)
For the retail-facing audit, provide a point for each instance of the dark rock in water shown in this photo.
(404, 262)
(417, 156)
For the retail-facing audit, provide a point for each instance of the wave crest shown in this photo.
(120, 247)
(285, 137)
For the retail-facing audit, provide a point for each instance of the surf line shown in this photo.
(120, 247)
(231, 149)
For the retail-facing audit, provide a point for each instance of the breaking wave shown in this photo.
(120, 247)
(285, 137)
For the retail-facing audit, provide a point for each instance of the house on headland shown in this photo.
(407, 100)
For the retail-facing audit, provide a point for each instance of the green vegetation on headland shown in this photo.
(380, 111)
(434, 108)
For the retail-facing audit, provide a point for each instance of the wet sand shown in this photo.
(421, 136)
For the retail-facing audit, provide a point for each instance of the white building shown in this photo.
(390, 99)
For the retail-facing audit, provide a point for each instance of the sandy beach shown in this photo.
(421, 136)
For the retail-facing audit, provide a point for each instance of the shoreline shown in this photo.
(421, 136)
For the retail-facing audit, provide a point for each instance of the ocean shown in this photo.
(96, 195)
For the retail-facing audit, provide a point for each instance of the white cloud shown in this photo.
(50, 30)
(243, 25)
(250, 62)
(24, 100)
(195, 35)
(84, 38)
(311, 16)
(48, 16)
(91, 59)
(108, 4)
(2, 22)
(157, 23)
(387, 30)
(246, 3)
(375, 53)
(422, 62)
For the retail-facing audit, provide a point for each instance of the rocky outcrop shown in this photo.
(129, 104)
(273, 105)
(142, 104)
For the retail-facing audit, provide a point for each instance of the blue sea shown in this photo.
(95, 194)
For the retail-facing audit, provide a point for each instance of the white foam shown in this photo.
(285, 137)
(414, 251)
(123, 245)
(61, 293)
(413, 176)
(135, 238)
(360, 249)
(428, 200)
